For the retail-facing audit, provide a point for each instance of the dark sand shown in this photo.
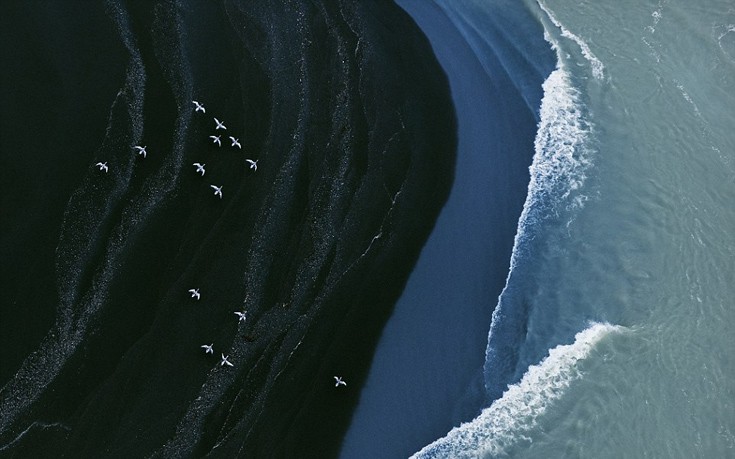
(348, 113)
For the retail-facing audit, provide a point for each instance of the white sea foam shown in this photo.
(562, 142)
(651, 43)
(656, 15)
(511, 417)
(562, 155)
(725, 36)
(598, 69)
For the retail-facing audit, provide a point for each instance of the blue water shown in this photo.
(612, 334)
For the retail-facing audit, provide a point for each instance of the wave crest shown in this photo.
(507, 420)
(598, 69)
(562, 156)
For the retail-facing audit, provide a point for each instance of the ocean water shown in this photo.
(612, 336)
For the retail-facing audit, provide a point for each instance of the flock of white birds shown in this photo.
(252, 164)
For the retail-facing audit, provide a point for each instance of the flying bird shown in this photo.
(220, 125)
(242, 315)
(235, 142)
(225, 361)
(141, 150)
(199, 107)
(200, 168)
(339, 381)
(217, 190)
(102, 166)
(215, 139)
(208, 348)
(194, 293)
(253, 164)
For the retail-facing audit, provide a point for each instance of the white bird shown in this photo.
(102, 166)
(235, 142)
(141, 150)
(219, 124)
(208, 348)
(194, 293)
(215, 139)
(242, 315)
(199, 107)
(200, 168)
(339, 381)
(217, 190)
(225, 361)
(253, 164)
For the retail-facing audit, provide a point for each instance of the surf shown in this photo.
(505, 423)
(563, 150)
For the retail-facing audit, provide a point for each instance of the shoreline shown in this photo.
(434, 343)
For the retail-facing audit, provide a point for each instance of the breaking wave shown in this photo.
(562, 155)
(507, 420)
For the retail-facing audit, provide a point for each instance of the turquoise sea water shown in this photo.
(651, 250)
(613, 336)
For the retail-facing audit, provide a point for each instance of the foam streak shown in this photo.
(557, 173)
(598, 68)
(513, 415)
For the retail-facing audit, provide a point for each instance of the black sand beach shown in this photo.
(348, 114)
